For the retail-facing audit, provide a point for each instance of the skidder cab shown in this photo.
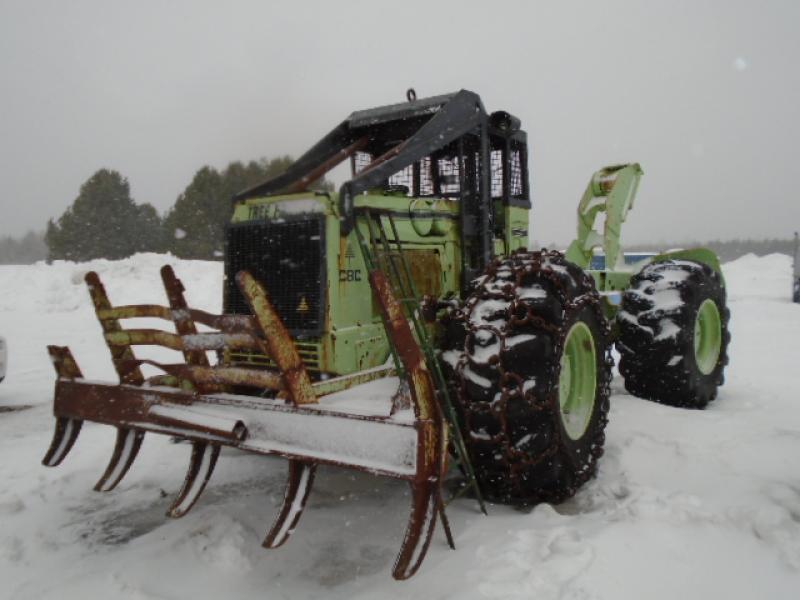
(453, 180)
(402, 320)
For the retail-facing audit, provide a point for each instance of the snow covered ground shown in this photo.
(686, 504)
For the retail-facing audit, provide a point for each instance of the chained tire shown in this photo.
(674, 335)
(529, 366)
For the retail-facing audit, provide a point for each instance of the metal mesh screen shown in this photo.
(404, 178)
(425, 177)
(448, 173)
(496, 173)
(517, 188)
(359, 161)
(287, 259)
(449, 176)
(417, 178)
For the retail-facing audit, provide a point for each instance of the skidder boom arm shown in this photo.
(611, 190)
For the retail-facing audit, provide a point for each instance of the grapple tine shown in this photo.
(64, 437)
(201, 465)
(421, 523)
(298, 487)
(67, 429)
(126, 449)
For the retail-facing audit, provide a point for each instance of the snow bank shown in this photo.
(686, 504)
(59, 287)
(760, 277)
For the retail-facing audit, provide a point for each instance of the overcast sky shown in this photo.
(705, 95)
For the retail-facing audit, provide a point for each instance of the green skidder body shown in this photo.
(351, 337)
(439, 200)
(495, 360)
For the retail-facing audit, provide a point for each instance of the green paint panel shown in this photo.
(707, 337)
(353, 336)
(611, 190)
(577, 381)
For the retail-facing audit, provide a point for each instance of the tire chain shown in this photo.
(522, 264)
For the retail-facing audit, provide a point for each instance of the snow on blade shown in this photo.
(297, 505)
(127, 448)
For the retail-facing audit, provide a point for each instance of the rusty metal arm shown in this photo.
(342, 155)
(189, 342)
(426, 490)
(216, 376)
(277, 343)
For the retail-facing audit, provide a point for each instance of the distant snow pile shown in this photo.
(763, 277)
(59, 287)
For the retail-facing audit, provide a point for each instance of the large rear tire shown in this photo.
(674, 333)
(529, 367)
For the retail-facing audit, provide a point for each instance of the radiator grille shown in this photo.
(309, 353)
(287, 258)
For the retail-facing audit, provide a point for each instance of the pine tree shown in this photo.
(151, 232)
(103, 222)
(195, 226)
(195, 222)
(23, 251)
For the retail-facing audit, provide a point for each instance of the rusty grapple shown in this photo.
(208, 405)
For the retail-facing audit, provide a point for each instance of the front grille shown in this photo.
(287, 258)
(309, 353)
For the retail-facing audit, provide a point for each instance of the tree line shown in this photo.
(728, 250)
(23, 251)
(104, 221)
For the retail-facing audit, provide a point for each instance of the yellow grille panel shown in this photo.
(309, 354)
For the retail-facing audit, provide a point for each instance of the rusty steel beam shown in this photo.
(302, 184)
(298, 487)
(226, 323)
(198, 341)
(136, 407)
(345, 382)
(184, 324)
(189, 415)
(421, 385)
(163, 380)
(379, 160)
(227, 376)
(126, 449)
(229, 323)
(134, 311)
(121, 351)
(277, 344)
(64, 436)
(67, 429)
(201, 465)
(215, 378)
(426, 503)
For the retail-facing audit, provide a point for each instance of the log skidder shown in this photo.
(674, 333)
(322, 296)
(530, 366)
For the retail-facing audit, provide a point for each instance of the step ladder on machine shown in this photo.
(383, 251)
